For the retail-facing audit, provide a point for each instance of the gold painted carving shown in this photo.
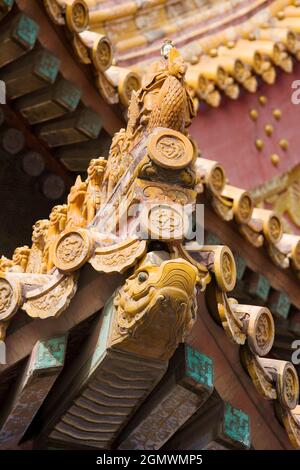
(18, 263)
(231, 323)
(151, 300)
(76, 14)
(258, 324)
(261, 378)
(39, 234)
(98, 49)
(170, 149)
(57, 224)
(10, 297)
(118, 257)
(241, 202)
(283, 194)
(72, 250)
(51, 302)
(164, 221)
(75, 217)
(180, 251)
(291, 421)
(20, 258)
(55, 11)
(217, 259)
(93, 197)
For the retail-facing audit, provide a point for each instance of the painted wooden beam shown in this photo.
(279, 304)
(108, 386)
(216, 426)
(14, 119)
(233, 384)
(82, 125)
(43, 367)
(51, 38)
(63, 97)
(17, 37)
(241, 266)
(34, 71)
(256, 258)
(5, 7)
(186, 386)
(94, 289)
(258, 286)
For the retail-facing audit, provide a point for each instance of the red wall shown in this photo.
(227, 134)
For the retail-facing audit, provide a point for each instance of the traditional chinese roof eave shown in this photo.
(42, 280)
(56, 92)
(202, 42)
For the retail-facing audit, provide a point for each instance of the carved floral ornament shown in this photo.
(153, 164)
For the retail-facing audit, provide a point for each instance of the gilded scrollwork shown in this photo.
(10, 297)
(258, 325)
(291, 422)
(52, 302)
(261, 378)
(277, 380)
(118, 257)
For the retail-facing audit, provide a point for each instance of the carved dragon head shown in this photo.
(20, 258)
(96, 170)
(39, 233)
(58, 212)
(156, 308)
(78, 191)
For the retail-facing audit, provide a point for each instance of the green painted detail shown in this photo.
(237, 425)
(47, 66)
(263, 288)
(283, 306)
(240, 266)
(199, 367)
(68, 95)
(51, 353)
(26, 31)
(211, 239)
(89, 123)
(8, 3)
